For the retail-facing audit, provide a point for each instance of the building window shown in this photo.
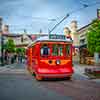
(82, 41)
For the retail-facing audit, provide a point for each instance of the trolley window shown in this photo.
(57, 50)
(68, 50)
(45, 50)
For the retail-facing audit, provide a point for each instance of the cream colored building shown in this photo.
(74, 33)
(82, 35)
(72, 30)
(21, 40)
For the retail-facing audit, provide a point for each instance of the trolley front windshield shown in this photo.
(54, 50)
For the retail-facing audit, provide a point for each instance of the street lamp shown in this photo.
(2, 43)
(2, 49)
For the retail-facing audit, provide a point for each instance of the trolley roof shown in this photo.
(52, 38)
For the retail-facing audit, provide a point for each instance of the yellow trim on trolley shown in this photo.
(62, 62)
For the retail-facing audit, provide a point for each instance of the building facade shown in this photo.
(83, 36)
(21, 40)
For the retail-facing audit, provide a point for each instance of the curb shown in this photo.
(89, 76)
(92, 70)
(4, 68)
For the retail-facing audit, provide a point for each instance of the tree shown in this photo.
(93, 37)
(20, 51)
(10, 46)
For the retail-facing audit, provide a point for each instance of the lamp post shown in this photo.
(2, 43)
(2, 49)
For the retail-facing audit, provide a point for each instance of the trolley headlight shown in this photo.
(58, 62)
(50, 61)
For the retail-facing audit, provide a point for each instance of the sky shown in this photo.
(34, 15)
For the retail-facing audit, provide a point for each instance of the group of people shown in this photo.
(10, 58)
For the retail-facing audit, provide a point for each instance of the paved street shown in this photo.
(17, 84)
(55, 35)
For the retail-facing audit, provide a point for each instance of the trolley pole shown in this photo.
(58, 23)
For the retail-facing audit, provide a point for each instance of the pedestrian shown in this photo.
(15, 58)
(5, 57)
(19, 58)
(12, 58)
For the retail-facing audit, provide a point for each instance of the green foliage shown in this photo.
(93, 36)
(98, 49)
(20, 51)
(10, 46)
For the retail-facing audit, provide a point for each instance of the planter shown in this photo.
(92, 70)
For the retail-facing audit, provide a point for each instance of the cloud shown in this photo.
(34, 14)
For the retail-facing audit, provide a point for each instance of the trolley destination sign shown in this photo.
(55, 36)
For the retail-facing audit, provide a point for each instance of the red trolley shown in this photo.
(50, 57)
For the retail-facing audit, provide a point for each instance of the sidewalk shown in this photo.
(6, 67)
(80, 69)
(3, 68)
(15, 68)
